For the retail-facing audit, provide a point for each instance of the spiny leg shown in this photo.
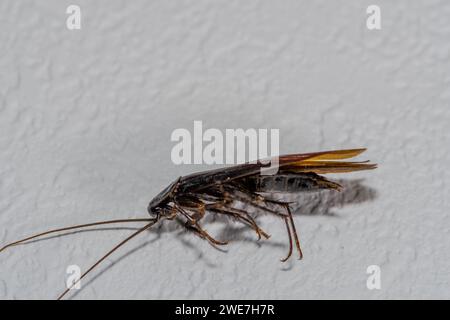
(294, 231)
(221, 204)
(290, 241)
(204, 235)
(72, 228)
(193, 225)
(252, 220)
(251, 198)
(254, 196)
(246, 220)
(246, 196)
(193, 203)
(247, 217)
(287, 218)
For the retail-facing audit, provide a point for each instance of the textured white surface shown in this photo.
(86, 117)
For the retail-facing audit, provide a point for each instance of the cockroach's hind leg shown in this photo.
(290, 241)
(294, 232)
(287, 218)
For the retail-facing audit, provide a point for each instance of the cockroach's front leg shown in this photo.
(192, 203)
(171, 214)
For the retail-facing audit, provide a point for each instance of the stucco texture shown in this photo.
(86, 117)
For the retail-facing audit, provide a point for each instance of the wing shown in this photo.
(317, 162)
(322, 167)
(325, 162)
(323, 155)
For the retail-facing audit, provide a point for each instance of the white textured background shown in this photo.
(86, 118)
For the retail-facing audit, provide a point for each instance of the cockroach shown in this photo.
(191, 197)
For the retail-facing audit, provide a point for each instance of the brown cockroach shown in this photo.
(190, 197)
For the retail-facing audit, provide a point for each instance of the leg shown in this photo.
(290, 241)
(251, 197)
(219, 205)
(204, 235)
(288, 219)
(240, 215)
(297, 242)
(252, 221)
(193, 203)
(193, 225)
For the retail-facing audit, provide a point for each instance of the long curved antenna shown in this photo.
(106, 255)
(71, 228)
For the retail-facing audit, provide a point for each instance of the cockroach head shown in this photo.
(159, 204)
(153, 210)
(156, 206)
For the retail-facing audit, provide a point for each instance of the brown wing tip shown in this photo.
(358, 151)
(336, 154)
(353, 152)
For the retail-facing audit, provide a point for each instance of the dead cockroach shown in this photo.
(190, 197)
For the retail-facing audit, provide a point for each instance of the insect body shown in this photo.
(290, 183)
(217, 192)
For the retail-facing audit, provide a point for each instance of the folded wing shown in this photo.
(324, 162)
